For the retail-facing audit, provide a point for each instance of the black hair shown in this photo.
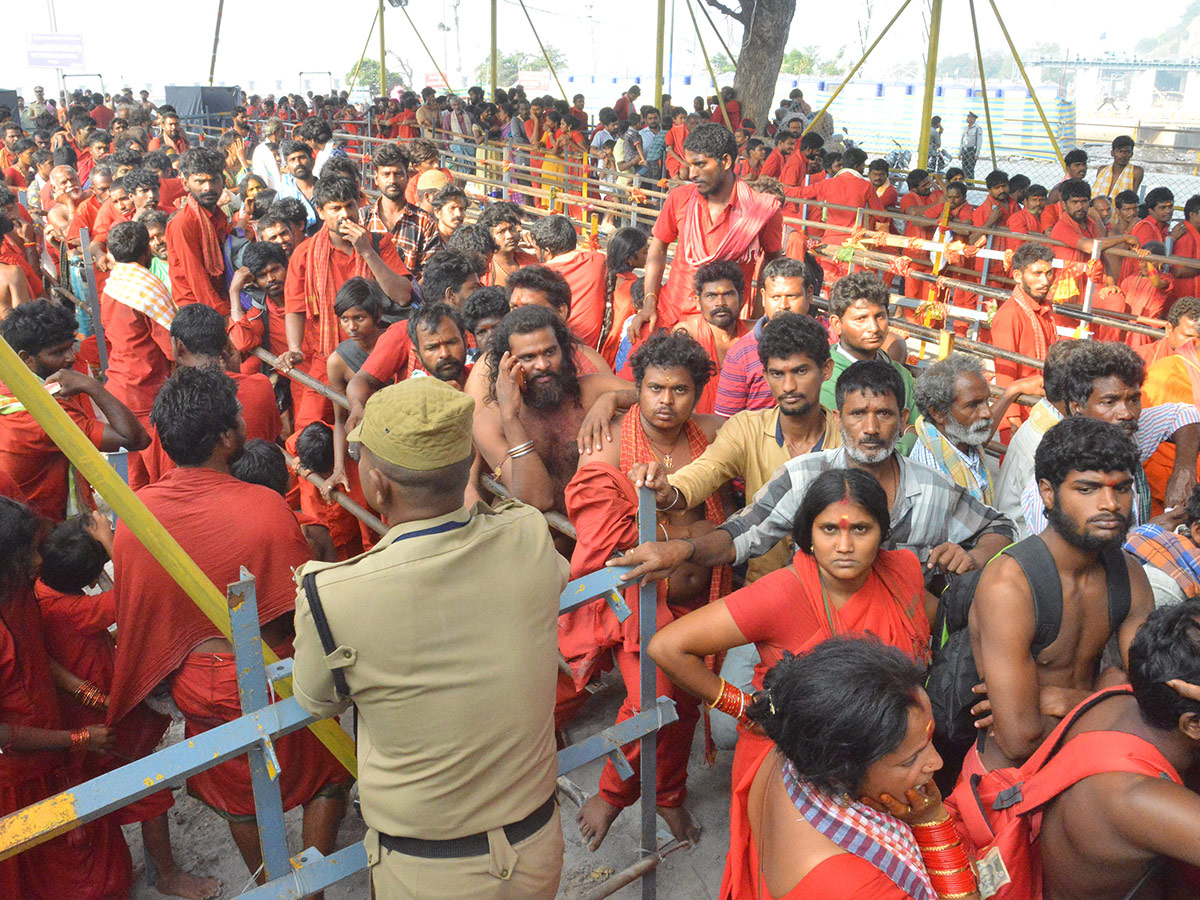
(786, 267)
(1190, 208)
(526, 320)
(1055, 372)
(856, 286)
(673, 350)
(879, 165)
(854, 157)
(789, 333)
(957, 187)
(1029, 253)
(128, 241)
(151, 217)
(1126, 198)
(1184, 308)
(1035, 190)
(341, 167)
(1018, 183)
(261, 254)
(314, 448)
(995, 177)
(428, 317)
(1074, 190)
(812, 141)
(1166, 647)
(199, 161)
(201, 330)
(262, 462)
(37, 326)
(448, 270)
(1192, 515)
(1101, 359)
(832, 486)
(449, 191)
(291, 210)
(335, 189)
(19, 528)
(361, 293)
(193, 409)
(71, 558)
(1122, 140)
(952, 173)
(1075, 156)
(473, 238)
(484, 303)
(390, 155)
(1082, 444)
(870, 376)
(721, 270)
(838, 709)
(916, 178)
(142, 178)
(544, 281)
(554, 234)
(711, 140)
(262, 203)
(287, 148)
(500, 213)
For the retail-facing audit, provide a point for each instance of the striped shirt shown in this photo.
(741, 384)
(1155, 425)
(929, 509)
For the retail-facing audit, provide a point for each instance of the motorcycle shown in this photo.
(898, 160)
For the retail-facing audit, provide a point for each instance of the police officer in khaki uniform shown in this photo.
(445, 637)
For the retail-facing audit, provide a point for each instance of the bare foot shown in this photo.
(681, 823)
(595, 817)
(183, 884)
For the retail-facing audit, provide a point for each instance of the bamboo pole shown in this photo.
(987, 107)
(542, 47)
(424, 47)
(658, 55)
(363, 55)
(935, 27)
(708, 64)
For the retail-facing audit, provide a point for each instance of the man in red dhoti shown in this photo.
(1078, 234)
(91, 862)
(43, 336)
(136, 310)
(1186, 238)
(223, 524)
(717, 327)
(585, 271)
(339, 251)
(716, 217)
(197, 233)
(77, 638)
(670, 371)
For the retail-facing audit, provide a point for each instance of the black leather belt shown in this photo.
(472, 844)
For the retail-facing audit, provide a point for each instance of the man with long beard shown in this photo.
(1085, 478)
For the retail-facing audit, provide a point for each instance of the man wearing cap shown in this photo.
(450, 654)
(972, 143)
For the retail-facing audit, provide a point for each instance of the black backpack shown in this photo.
(953, 674)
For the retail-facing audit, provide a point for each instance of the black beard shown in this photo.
(551, 394)
(800, 411)
(450, 370)
(1067, 530)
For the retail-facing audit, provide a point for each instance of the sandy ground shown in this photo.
(203, 845)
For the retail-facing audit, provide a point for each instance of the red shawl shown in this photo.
(320, 289)
(1025, 304)
(223, 524)
(748, 213)
(210, 241)
(11, 255)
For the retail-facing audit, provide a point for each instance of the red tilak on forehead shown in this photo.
(1115, 482)
(844, 523)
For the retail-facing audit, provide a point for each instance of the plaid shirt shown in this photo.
(928, 511)
(415, 235)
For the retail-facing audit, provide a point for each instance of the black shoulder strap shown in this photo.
(1120, 596)
(340, 687)
(1033, 556)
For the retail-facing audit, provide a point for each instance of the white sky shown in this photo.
(138, 42)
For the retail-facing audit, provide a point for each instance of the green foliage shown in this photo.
(509, 64)
(722, 63)
(808, 61)
(368, 76)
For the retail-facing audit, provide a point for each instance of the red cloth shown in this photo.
(733, 109)
(784, 611)
(85, 217)
(846, 188)
(255, 393)
(773, 165)
(392, 358)
(34, 461)
(1188, 245)
(676, 299)
(170, 190)
(703, 333)
(12, 255)
(9, 488)
(1021, 326)
(1151, 353)
(89, 863)
(139, 354)
(106, 217)
(837, 877)
(622, 309)
(1022, 222)
(1069, 232)
(259, 329)
(206, 692)
(102, 116)
(587, 277)
(222, 524)
(192, 278)
(676, 135)
(15, 178)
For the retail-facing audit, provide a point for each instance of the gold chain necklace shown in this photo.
(665, 459)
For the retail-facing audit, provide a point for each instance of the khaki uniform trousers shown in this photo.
(529, 870)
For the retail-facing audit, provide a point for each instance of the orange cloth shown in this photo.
(702, 331)
(1022, 222)
(1188, 245)
(191, 234)
(773, 165)
(85, 217)
(784, 611)
(139, 354)
(676, 135)
(1070, 232)
(12, 255)
(795, 168)
(837, 877)
(846, 188)
(1023, 326)
(1172, 379)
(587, 276)
(106, 217)
(259, 328)
(622, 309)
(1152, 353)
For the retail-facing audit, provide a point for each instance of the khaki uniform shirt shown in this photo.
(447, 632)
(750, 444)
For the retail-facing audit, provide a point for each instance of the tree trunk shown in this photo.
(764, 39)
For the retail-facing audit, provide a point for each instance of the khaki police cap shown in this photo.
(421, 423)
(432, 180)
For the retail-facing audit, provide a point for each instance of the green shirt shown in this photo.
(158, 268)
(842, 361)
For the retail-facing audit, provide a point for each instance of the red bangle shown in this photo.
(80, 739)
(732, 701)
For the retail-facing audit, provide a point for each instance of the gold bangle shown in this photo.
(932, 824)
(712, 704)
(948, 871)
(940, 847)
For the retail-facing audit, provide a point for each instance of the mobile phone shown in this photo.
(520, 378)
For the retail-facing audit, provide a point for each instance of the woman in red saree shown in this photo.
(839, 583)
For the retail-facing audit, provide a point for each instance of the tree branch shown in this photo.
(739, 16)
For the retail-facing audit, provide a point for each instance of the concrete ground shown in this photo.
(203, 845)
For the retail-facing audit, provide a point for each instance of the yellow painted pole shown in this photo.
(708, 63)
(935, 27)
(542, 47)
(1028, 85)
(704, 9)
(363, 55)
(857, 66)
(659, 50)
(383, 79)
(425, 47)
(987, 108)
(164, 548)
(495, 56)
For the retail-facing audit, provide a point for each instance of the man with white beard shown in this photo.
(957, 418)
